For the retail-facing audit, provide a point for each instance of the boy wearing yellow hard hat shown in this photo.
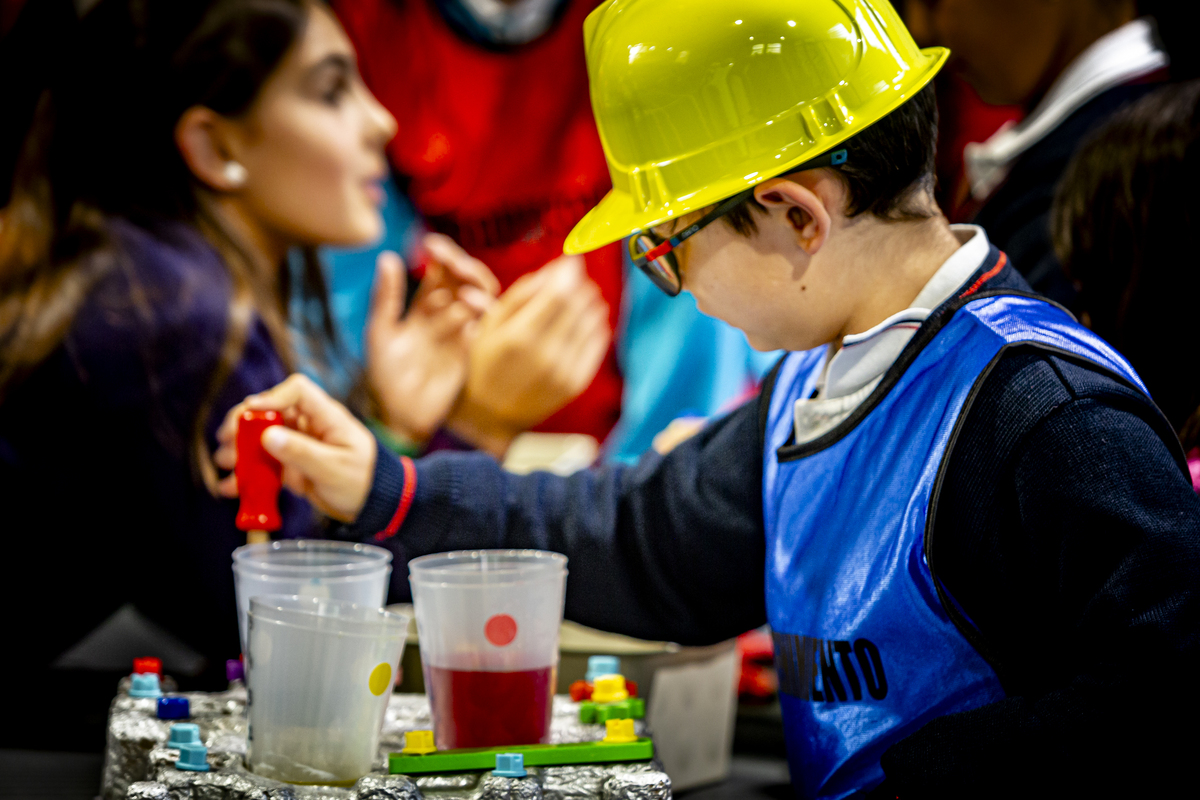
(971, 531)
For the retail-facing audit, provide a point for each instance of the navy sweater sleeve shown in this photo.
(671, 548)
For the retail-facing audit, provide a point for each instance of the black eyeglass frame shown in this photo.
(658, 261)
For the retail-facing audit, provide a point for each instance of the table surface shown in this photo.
(758, 770)
(38, 774)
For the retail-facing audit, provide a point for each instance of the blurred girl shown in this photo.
(1124, 223)
(181, 150)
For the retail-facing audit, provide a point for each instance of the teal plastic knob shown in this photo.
(602, 665)
(510, 765)
(184, 733)
(144, 684)
(193, 757)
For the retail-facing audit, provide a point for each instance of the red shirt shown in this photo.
(499, 148)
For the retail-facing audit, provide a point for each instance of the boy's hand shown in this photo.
(329, 458)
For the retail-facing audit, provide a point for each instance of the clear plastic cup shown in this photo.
(488, 625)
(357, 573)
(320, 673)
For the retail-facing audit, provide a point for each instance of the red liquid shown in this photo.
(490, 709)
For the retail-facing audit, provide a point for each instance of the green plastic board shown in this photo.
(633, 708)
(536, 755)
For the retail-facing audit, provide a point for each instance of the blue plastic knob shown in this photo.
(510, 765)
(144, 684)
(193, 757)
(173, 708)
(602, 665)
(184, 733)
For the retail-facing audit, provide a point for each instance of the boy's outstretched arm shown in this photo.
(671, 548)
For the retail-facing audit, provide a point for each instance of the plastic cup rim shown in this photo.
(530, 565)
(388, 623)
(247, 572)
(385, 633)
(371, 559)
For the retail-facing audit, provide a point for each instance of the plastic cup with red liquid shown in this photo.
(488, 622)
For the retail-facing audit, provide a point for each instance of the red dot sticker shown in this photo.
(500, 630)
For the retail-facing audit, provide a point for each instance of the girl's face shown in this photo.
(312, 145)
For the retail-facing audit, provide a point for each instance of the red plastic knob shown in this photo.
(148, 664)
(258, 474)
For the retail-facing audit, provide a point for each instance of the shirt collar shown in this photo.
(864, 357)
(1115, 58)
(857, 367)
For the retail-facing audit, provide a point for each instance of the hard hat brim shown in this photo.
(614, 217)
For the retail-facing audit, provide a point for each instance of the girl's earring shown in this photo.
(235, 174)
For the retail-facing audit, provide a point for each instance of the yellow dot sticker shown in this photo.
(381, 679)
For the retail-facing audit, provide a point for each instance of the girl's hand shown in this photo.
(537, 348)
(417, 364)
(462, 269)
(329, 457)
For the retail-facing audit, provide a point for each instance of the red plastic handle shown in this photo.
(258, 474)
(148, 664)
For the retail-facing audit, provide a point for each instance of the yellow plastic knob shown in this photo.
(419, 743)
(619, 731)
(609, 689)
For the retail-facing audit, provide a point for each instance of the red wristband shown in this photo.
(406, 499)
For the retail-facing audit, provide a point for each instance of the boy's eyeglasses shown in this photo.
(654, 255)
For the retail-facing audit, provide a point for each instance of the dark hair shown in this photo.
(889, 163)
(1175, 23)
(1124, 223)
(101, 143)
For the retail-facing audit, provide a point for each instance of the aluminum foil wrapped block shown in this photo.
(450, 784)
(386, 787)
(139, 765)
(497, 788)
(589, 780)
(134, 729)
(638, 786)
(404, 713)
(147, 790)
(228, 779)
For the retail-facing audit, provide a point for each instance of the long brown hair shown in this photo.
(101, 144)
(1124, 223)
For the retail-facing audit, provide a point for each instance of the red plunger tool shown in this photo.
(259, 477)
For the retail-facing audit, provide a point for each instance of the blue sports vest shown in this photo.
(866, 641)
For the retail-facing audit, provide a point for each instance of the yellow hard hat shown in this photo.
(697, 101)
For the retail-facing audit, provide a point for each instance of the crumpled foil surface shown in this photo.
(139, 766)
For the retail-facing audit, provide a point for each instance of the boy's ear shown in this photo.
(805, 209)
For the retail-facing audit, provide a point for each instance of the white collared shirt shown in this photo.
(857, 367)
(1117, 57)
